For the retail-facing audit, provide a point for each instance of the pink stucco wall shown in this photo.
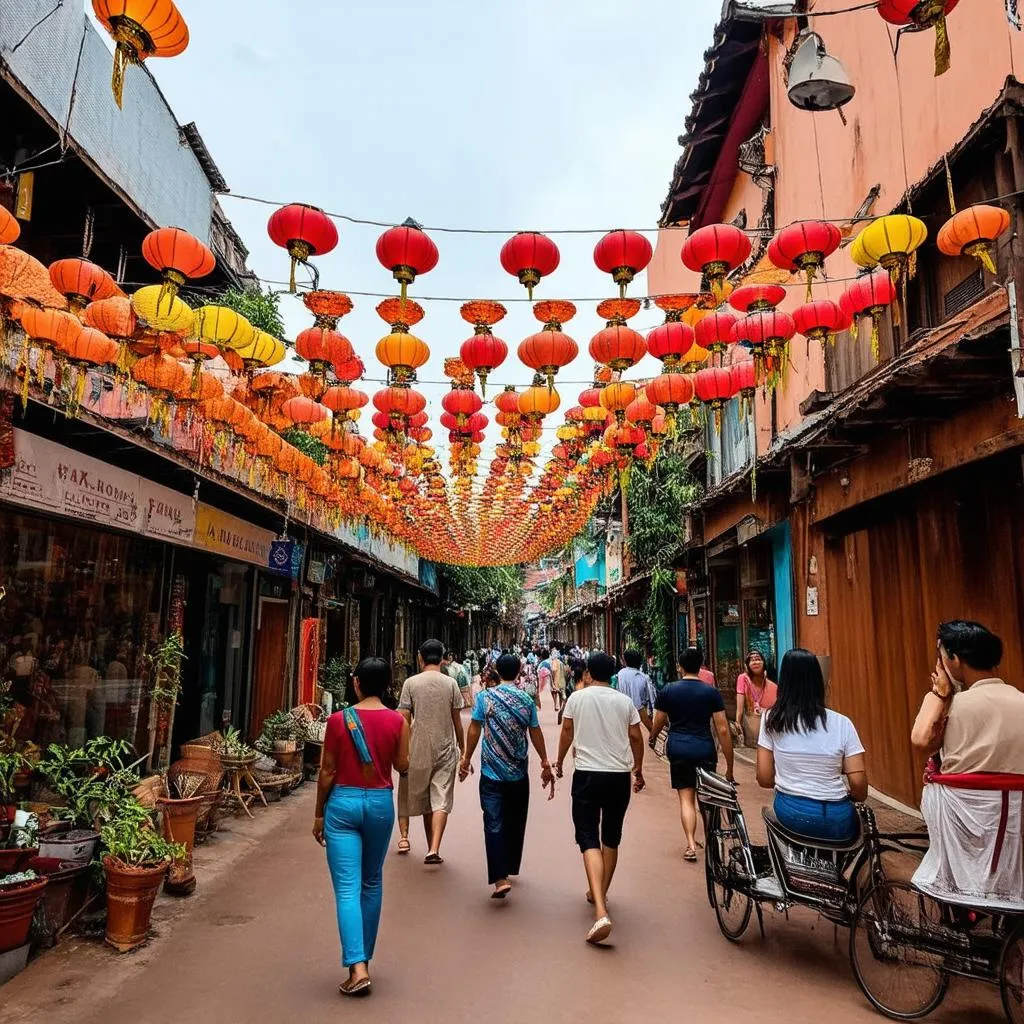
(900, 123)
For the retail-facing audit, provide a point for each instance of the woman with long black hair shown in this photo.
(811, 755)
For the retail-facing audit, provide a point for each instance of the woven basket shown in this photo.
(189, 765)
(313, 718)
(202, 755)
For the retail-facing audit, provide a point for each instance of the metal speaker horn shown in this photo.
(816, 80)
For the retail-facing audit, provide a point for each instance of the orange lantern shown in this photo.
(81, 282)
(972, 232)
(141, 29)
(178, 256)
(10, 229)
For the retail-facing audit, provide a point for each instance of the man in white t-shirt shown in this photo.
(603, 727)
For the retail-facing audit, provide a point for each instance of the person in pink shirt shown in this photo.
(755, 694)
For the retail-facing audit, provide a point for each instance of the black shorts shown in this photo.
(684, 771)
(599, 802)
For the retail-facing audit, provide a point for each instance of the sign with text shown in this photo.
(232, 537)
(167, 514)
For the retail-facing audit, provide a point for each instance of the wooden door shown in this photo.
(271, 661)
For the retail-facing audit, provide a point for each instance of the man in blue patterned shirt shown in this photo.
(505, 716)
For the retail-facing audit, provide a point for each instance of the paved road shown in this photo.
(258, 942)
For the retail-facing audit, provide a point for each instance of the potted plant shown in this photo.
(12, 765)
(135, 862)
(64, 896)
(90, 780)
(235, 751)
(334, 681)
(179, 824)
(282, 738)
(19, 894)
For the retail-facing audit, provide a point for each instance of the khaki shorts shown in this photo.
(425, 790)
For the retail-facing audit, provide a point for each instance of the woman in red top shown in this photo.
(355, 812)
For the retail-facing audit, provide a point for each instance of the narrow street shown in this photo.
(258, 943)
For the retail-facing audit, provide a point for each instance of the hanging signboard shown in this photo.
(232, 537)
(166, 514)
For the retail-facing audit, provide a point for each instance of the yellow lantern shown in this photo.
(890, 242)
(264, 350)
(150, 306)
(224, 328)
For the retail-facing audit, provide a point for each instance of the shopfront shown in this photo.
(85, 582)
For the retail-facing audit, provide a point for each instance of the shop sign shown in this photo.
(316, 572)
(232, 537)
(169, 515)
(280, 560)
(50, 477)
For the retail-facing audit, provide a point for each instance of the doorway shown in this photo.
(270, 661)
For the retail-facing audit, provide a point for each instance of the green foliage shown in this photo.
(91, 780)
(656, 499)
(261, 309)
(547, 594)
(233, 747)
(307, 444)
(281, 726)
(481, 585)
(10, 765)
(131, 837)
(335, 680)
(165, 669)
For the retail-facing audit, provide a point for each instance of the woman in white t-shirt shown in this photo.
(804, 751)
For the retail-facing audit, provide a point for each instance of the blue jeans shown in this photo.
(357, 828)
(505, 806)
(834, 820)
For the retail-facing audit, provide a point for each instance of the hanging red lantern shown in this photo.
(406, 251)
(550, 349)
(623, 254)
(752, 298)
(743, 376)
(820, 320)
(671, 391)
(483, 352)
(399, 401)
(714, 387)
(923, 14)
(530, 256)
(461, 403)
(303, 411)
(304, 231)
(804, 246)
(618, 346)
(715, 332)
(870, 295)
(343, 400)
(714, 251)
(670, 342)
(767, 335)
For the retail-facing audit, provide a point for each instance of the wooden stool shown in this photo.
(239, 772)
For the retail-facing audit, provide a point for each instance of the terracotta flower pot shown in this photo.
(17, 905)
(63, 897)
(286, 758)
(15, 858)
(65, 843)
(131, 893)
(180, 827)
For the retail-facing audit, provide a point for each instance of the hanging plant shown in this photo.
(308, 445)
(165, 668)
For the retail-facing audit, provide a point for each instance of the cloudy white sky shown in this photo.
(529, 115)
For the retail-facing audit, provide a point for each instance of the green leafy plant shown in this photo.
(307, 444)
(91, 780)
(165, 669)
(234, 748)
(261, 308)
(281, 726)
(334, 680)
(11, 765)
(131, 837)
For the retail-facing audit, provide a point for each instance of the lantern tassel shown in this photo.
(810, 281)
(291, 279)
(197, 375)
(982, 252)
(875, 318)
(942, 62)
(122, 58)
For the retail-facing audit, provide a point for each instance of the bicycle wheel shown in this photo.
(896, 951)
(1011, 976)
(723, 865)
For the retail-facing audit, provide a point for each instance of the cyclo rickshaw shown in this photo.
(905, 945)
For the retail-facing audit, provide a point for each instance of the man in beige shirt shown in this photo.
(431, 703)
(974, 720)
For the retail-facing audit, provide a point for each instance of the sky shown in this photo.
(525, 116)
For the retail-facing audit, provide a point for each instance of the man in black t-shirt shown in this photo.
(690, 708)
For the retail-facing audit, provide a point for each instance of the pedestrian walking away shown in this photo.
(458, 672)
(505, 717)
(691, 709)
(431, 703)
(355, 812)
(637, 685)
(602, 727)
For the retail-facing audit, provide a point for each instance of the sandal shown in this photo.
(433, 858)
(600, 931)
(357, 988)
(500, 894)
(404, 846)
(690, 855)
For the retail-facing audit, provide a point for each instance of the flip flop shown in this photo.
(404, 846)
(360, 988)
(690, 855)
(433, 858)
(600, 931)
(500, 894)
